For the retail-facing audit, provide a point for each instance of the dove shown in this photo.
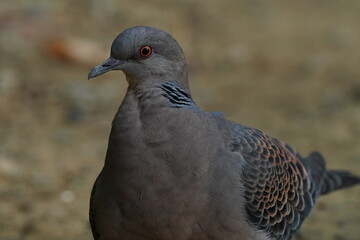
(174, 171)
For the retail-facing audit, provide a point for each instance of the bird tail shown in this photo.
(328, 180)
(334, 180)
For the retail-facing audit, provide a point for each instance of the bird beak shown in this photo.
(109, 65)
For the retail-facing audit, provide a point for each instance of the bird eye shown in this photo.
(145, 51)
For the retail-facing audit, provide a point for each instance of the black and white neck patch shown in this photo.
(178, 97)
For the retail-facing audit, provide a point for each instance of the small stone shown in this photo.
(8, 168)
(67, 196)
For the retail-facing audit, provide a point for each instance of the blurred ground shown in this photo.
(290, 69)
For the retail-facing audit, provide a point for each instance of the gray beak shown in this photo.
(109, 65)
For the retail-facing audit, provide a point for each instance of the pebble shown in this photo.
(67, 196)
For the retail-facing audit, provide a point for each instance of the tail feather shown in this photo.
(326, 181)
(334, 180)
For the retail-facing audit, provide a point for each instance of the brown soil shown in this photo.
(290, 69)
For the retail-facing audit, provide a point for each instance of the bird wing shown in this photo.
(278, 189)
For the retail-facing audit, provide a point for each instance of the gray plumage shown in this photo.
(174, 171)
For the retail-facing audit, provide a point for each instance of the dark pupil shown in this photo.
(145, 51)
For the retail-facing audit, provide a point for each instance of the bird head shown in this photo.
(146, 55)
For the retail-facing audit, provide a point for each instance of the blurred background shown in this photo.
(290, 69)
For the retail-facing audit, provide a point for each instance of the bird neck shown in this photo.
(140, 83)
(146, 110)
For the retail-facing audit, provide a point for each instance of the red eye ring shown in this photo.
(145, 51)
